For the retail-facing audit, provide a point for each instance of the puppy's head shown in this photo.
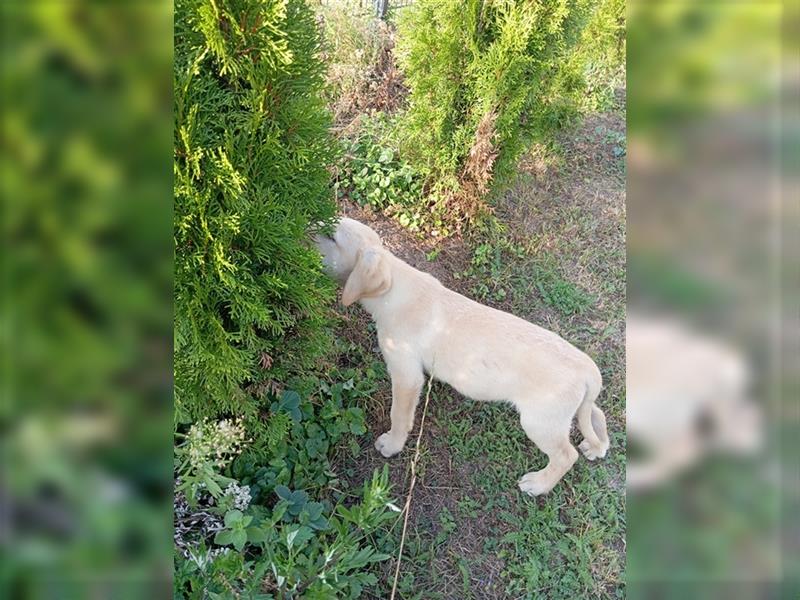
(341, 251)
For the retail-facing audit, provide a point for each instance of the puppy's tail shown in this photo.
(592, 421)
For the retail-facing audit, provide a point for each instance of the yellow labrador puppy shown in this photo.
(678, 379)
(485, 354)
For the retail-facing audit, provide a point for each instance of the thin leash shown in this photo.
(407, 507)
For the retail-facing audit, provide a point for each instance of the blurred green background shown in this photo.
(710, 202)
(87, 300)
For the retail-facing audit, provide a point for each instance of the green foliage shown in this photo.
(330, 560)
(274, 539)
(561, 294)
(237, 531)
(206, 450)
(379, 180)
(601, 55)
(617, 140)
(251, 154)
(301, 458)
(487, 268)
(373, 173)
(280, 558)
(486, 77)
(251, 150)
(503, 269)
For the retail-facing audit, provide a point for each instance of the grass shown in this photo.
(557, 258)
(488, 540)
(502, 270)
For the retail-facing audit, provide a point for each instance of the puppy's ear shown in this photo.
(371, 277)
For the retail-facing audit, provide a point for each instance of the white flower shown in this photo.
(214, 442)
(240, 494)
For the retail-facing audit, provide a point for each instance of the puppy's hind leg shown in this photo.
(592, 424)
(549, 430)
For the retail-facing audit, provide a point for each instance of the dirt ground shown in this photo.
(472, 534)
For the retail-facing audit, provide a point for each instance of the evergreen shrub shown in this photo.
(601, 55)
(252, 147)
(486, 78)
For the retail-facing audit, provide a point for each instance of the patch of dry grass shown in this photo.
(362, 75)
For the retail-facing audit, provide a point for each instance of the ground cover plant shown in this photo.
(247, 523)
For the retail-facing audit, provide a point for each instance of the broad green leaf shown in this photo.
(255, 535)
(232, 517)
(299, 497)
(298, 537)
(283, 492)
(224, 537)
(239, 538)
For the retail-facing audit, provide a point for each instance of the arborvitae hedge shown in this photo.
(600, 54)
(486, 77)
(251, 150)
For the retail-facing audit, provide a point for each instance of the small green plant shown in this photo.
(307, 513)
(237, 531)
(489, 268)
(207, 449)
(257, 535)
(331, 562)
(380, 180)
(292, 550)
(300, 459)
(618, 142)
(433, 254)
(373, 174)
(559, 293)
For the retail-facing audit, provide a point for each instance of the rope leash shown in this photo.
(407, 507)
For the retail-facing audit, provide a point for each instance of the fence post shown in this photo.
(381, 6)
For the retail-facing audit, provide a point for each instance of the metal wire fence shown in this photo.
(380, 8)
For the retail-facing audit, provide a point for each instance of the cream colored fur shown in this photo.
(485, 354)
(676, 380)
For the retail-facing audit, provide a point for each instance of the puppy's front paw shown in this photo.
(388, 445)
(535, 483)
